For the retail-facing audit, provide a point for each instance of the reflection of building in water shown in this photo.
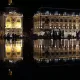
(56, 49)
(13, 50)
(11, 21)
(2, 48)
(50, 20)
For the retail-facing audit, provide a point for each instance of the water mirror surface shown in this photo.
(23, 57)
(39, 50)
(50, 49)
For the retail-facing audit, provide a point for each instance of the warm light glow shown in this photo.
(8, 25)
(13, 21)
(18, 25)
(18, 48)
(13, 49)
(8, 48)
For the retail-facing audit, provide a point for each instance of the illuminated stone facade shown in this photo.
(11, 21)
(49, 20)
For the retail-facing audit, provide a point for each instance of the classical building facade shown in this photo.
(48, 20)
(11, 21)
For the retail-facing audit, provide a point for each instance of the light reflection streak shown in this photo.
(57, 49)
(13, 50)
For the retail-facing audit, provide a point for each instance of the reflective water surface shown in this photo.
(56, 49)
(39, 50)
(31, 58)
(11, 50)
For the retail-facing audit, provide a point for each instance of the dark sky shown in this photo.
(29, 7)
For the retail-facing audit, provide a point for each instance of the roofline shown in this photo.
(59, 8)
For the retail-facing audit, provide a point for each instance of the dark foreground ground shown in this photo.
(30, 70)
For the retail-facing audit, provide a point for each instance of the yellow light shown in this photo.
(8, 48)
(18, 25)
(18, 48)
(8, 25)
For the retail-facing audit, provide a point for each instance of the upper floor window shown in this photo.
(79, 20)
(43, 19)
(74, 20)
(52, 20)
(61, 20)
(65, 20)
(70, 20)
(57, 20)
(47, 13)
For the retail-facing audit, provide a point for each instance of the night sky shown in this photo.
(29, 7)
